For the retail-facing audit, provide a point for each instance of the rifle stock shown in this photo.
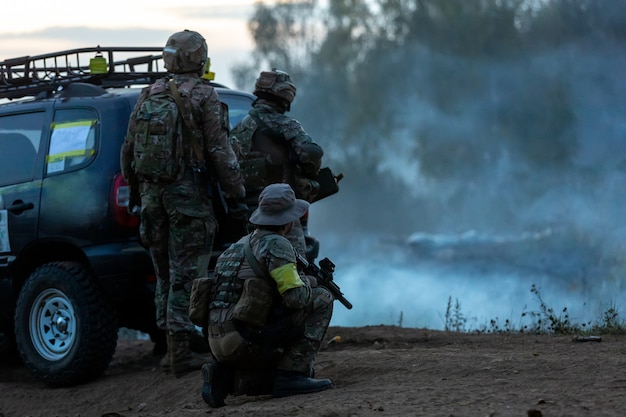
(324, 276)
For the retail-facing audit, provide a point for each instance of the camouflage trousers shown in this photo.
(300, 355)
(298, 335)
(178, 228)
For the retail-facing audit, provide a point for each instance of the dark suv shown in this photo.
(72, 269)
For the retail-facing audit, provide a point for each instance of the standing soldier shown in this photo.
(165, 163)
(273, 147)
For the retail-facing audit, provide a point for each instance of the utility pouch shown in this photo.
(254, 305)
(199, 301)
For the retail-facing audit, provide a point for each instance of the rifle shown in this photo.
(324, 276)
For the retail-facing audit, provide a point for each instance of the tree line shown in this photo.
(454, 96)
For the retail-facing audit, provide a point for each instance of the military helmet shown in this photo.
(185, 52)
(276, 83)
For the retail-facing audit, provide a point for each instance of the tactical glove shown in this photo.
(311, 280)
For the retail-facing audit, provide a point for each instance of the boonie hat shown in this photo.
(278, 205)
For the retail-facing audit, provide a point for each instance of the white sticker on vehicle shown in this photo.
(56, 166)
(68, 140)
(4, 232)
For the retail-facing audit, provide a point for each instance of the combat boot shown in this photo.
(197, 344)
(287, 383)
(166, 363)
(218, 380)
(182, 359)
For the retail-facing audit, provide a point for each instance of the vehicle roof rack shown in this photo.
(107, 67)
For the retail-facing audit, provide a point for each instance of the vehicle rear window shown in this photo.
(20, 138)
(238, 106)
(72, 140)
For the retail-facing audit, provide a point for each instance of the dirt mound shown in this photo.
(376, 370)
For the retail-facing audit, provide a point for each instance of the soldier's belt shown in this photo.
(221, 330)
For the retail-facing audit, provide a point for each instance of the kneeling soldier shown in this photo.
(265, 319)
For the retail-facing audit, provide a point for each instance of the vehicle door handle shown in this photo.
(19, 206)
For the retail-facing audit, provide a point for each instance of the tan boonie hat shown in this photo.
(278, 205)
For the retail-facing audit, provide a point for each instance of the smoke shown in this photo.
(410, 282)
(484, 154)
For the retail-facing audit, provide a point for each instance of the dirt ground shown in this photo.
(376, 370)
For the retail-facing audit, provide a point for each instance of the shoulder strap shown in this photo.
(269, 131)
(187, 120)
(256, 267)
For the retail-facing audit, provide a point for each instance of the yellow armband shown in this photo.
(286, 277)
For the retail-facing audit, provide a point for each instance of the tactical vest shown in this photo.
(228, 287)
(252, 297)
(266, 156)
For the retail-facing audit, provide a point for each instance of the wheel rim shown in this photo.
(52, 324)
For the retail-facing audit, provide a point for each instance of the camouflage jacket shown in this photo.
(273, 252)
(273, 147)
(208, 114)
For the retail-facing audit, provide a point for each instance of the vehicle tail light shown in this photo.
(120, 195)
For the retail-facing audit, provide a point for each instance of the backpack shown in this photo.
(157, 132)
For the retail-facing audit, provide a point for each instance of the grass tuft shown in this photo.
(544, 320)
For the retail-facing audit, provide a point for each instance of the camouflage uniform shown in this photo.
(298, 314)
(273, 147)
(177, 220)
(266, 320)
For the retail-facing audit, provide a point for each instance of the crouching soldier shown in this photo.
(266, 321)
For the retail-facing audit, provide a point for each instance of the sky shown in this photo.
(41, 27)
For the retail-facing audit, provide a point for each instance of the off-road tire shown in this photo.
(66, 331)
